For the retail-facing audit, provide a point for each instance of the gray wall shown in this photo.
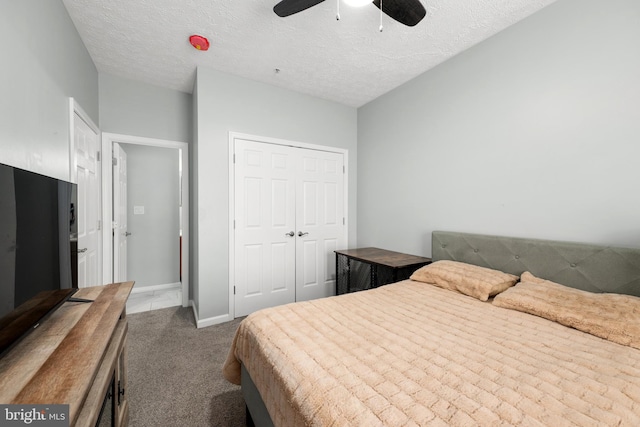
(153, 253)
(43, 63)
(130, 107)
(229, 103)
(134, 108)
(534, 132)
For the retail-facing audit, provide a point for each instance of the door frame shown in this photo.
(276, 141)
(75, 108)
(107, 201)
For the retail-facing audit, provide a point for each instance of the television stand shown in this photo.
(77, 356)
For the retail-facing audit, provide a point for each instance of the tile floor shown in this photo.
(153, 300)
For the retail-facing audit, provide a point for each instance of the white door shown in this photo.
(320, 228)
(289, 218)
(264, 226)
(87, 147)
(120, 232)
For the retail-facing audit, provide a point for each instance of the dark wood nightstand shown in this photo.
(367, 268)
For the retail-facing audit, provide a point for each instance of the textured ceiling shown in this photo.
(348, 61)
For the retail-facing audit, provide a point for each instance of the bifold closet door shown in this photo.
(289, 218)
(320, 224)
(264, 226)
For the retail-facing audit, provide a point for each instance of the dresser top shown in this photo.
(57, 362)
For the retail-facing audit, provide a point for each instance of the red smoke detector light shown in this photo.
(199, 42)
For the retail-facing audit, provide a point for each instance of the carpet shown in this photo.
(174, 372)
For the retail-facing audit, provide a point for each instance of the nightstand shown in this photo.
(367, 268)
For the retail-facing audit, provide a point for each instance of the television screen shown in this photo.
(38, 263)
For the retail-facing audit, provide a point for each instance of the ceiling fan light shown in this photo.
(357, 3)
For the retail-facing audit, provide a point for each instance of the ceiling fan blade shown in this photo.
(407, 12)
(289, 7)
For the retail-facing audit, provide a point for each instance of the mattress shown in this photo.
(414, 354)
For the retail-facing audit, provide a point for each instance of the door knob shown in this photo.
(290, 234)
(126, 233)
(300, 234)
(83, 250)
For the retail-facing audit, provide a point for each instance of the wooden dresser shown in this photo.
(77, 356)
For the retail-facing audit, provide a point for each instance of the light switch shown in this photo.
(138, 210)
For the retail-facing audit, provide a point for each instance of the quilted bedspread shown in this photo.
(411, 354)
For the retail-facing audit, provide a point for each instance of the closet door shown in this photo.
(320, 227)
(289, 218)
(264, 226)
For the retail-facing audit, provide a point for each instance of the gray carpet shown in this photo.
(175, 374)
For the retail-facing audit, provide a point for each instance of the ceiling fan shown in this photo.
(407, 12)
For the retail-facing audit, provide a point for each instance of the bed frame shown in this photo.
(582, 266)
(588, 267)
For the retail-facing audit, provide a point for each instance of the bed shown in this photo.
(430, 351)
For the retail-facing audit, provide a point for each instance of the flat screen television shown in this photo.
(38, 250)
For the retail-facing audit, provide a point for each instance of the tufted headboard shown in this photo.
(582, 266)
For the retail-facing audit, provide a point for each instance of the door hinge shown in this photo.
(99, 225)
(234, 224)
(115, 161)
(234, 157)
(234, 290)
(344, 169)
(98, 156)
(344, 221)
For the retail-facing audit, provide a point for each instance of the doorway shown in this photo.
(288, 210)
(155, 228)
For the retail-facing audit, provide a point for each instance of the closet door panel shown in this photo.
(264, 197)
(289, 220)
(320, 225)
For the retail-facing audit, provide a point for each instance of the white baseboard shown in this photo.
(152, 288)
(210, 321)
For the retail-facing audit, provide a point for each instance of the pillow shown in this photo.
(613, 317)
(472, 280)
